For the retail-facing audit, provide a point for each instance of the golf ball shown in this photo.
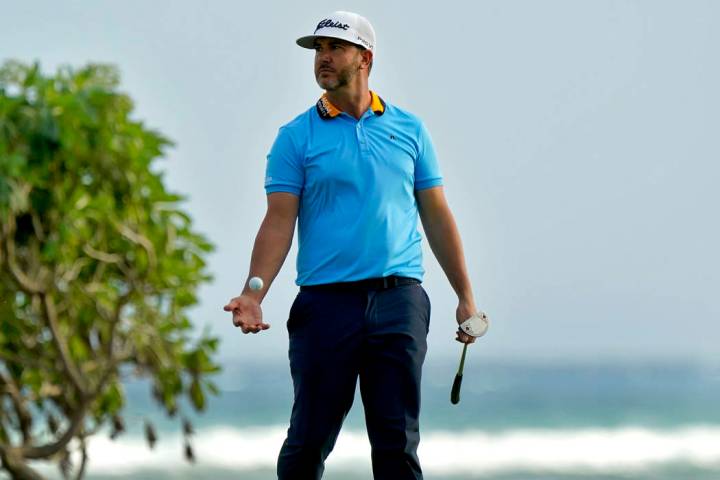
(255, 283)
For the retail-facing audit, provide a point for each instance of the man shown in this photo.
(355, 171)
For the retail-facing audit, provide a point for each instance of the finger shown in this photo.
(231, 305)
(260, 327)
(463, 337)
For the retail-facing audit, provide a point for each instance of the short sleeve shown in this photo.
(284, 171)
(427, 169)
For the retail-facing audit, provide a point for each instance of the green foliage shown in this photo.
(98, 262)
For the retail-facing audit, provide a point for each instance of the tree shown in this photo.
(98, 267)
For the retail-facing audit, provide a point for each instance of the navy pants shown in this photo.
(337, 337)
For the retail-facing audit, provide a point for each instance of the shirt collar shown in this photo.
(328, 111)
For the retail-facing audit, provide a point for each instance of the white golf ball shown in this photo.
(255, 283)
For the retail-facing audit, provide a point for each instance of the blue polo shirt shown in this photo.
(356, 180)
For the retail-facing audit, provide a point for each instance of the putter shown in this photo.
(475, 326)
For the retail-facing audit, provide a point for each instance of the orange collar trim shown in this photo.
(377, 104)
(327, 110)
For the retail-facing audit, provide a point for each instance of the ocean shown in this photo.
(515, 421)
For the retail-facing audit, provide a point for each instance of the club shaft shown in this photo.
(462, 360)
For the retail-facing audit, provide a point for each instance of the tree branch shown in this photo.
(83, 461)
(13, 462)
(22, 361)
(76, 421)
(115, 321)
(101, 256)
(27, 284)
(71, 274)
(21, 411)
(139, 239)
(37, 225)
(68, 364)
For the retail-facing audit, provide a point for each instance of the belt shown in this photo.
(381, 283)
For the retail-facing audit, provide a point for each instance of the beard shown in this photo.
(340, 79)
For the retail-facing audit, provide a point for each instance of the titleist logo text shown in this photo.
(328, 23)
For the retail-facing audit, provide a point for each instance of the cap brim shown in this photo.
(307, 41)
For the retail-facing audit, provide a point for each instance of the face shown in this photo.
(337, 62)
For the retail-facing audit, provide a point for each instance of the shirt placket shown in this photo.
(361, 134)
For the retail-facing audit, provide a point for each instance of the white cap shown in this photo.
(347, 26)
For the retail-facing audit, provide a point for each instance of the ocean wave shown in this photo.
(593, 450)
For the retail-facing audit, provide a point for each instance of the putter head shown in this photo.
(475, 326)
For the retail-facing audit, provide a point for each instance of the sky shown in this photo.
(578, 141)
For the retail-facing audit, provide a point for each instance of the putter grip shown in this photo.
(455, 393)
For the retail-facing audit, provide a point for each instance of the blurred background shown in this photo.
(579, 147)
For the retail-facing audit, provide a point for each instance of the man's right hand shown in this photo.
(247, 314)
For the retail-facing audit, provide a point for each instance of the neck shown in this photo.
(354, 102)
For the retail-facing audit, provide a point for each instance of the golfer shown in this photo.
(354, 171)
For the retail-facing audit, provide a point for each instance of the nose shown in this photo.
(323, 57)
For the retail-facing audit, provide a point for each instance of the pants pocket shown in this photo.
(427, 306)
(297, 311)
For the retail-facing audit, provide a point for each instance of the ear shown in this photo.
(367, 57)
